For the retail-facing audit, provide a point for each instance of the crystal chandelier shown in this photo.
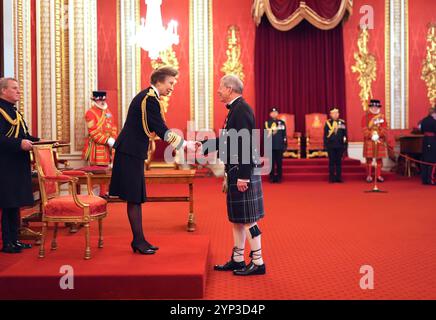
(152, 36)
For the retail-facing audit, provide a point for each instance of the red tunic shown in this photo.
(100, 129)
(374, 123)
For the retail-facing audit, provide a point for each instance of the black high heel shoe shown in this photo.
(152, 247)
(142, 250)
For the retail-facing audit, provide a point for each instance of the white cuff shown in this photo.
(244, 180)
(110, 142)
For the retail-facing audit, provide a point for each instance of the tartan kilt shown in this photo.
(244, 207)
(368, 149)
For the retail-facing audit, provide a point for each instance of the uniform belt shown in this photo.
(429, 134)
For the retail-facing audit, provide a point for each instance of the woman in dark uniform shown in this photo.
(144, 120)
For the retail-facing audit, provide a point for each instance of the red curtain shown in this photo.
(299, 71)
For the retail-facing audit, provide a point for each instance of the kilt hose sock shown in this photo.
(239, 237)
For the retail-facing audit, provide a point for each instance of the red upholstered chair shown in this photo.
(293, 148)
(71, 208)
(315, 123)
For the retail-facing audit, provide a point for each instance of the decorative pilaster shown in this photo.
(397, 63)
(67, 68)
(23, 58)
(130, 55)
(83, 67)
(201, 63)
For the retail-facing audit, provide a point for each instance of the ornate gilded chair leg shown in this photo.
(54, 244)
(44, 234)
(100, 232)
(191, 223)
(88, 245)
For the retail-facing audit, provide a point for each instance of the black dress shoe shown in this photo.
(11, 248)
(142, 249)
(251, 270)
(339, 181)
(21, 245)
(230, 266)
(152, 247)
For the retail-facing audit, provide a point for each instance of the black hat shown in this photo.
(99, 95)
(375, 103)
(274, 109)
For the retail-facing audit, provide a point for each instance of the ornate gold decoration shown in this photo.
(429, 64)
(261, 7)
(233, 64)
(366, 66)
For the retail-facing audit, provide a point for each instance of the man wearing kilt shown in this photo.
(144, 120)
(374, 139)
(243, 185)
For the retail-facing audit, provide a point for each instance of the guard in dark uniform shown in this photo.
(428, 128)
(16, 178)
(277, 133)
(145, 119)
(335, 141)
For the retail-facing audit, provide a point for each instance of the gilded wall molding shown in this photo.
(428, 73)
(365, 66)
(23, 57)
(233, 64)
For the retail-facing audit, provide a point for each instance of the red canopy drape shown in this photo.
(299, 71)
(287, 14)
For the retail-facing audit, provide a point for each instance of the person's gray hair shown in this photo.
(4, 83)
(232, 81)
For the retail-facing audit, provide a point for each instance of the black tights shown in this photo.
(134, 212)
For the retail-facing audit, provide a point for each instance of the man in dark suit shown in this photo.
(428, 128)
(145, 119)
(16, 179)
(244, 186)
(277, 134)
(335, 141)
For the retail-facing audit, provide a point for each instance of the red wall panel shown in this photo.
(421, 12)
(107, 53)
(226, 13)
(179, 110)
(376, 47)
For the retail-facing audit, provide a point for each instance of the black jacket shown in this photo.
(133, 138)
(279, 141)
(15, 170)
(338, 139)
(240, 117)
(428, 125)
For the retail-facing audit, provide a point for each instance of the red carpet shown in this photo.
(114, 272)
(316, 169)
(316, 237)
